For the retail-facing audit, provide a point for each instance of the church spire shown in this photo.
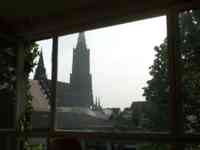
(40, 73)
(99, 103)
(80, 78)
(81, 43)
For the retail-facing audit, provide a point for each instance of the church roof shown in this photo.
(71, 120)
(61, 89)
(75, 120)
(40, 101)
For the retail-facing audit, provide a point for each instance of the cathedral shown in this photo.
(75, 108)
(78, 92)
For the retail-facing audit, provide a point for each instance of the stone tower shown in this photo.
(80, 78)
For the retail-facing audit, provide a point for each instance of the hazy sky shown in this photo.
(120, 57)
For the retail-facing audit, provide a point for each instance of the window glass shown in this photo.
(114, 78)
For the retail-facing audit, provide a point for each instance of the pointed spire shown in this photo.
(41, 60)
(40, 75)
(99, 105)
(81, 44)
(80, 78)
(40, 72)
(96, 101)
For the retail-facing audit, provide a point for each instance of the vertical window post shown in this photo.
(54, 81)
(176, 101)
(20, 87)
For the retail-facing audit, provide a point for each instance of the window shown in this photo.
(176, 137)
(104, 81)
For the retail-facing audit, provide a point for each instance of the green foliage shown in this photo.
(31, 52)
(8, 57)
(35, 147)
(190, 54)
(157, 90)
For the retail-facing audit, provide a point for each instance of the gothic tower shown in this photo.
(80, 78)
(40, 72)
(40, 75)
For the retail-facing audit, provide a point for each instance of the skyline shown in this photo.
(119, 60)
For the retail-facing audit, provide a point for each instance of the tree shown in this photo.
(157, 90)
(190, 54)
(31, 52)
(8, 57)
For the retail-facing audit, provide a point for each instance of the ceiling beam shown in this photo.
(91, 16)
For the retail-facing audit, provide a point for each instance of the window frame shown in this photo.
(175, 136)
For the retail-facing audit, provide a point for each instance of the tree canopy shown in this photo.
(157, 89)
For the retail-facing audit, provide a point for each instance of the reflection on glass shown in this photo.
(190, 52)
